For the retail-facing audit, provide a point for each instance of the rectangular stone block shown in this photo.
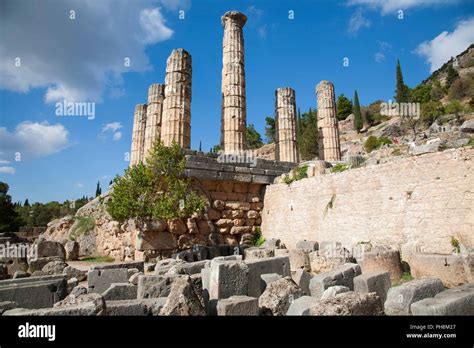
(310, 245)
(227, 278)
(137, 307)
(120, 291)
(278, 265)
(343, 275)
(455, 301)
(99, 280)
(378, 282)
(238, 305)
(154, 286)
(400, 298)
(301, 305)
(35, 292)
(125, 265)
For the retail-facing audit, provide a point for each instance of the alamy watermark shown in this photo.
(411, 110)
(67, 108)
(237, 157)
(13, 251)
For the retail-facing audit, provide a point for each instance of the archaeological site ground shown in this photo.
(214, 173)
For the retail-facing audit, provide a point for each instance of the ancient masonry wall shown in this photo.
(176, 118)
(233, 113)
(156, 95)
(138, 134)
(329, 145)
(422, 200)
(285, 125)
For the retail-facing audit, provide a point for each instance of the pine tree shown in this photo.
(98, 190)
(27, 203)
(200, 148)
(309, 137)
(344, 107)
(358, 123)
(402, 92)
(298, 128)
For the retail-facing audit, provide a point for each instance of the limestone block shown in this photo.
(343, 275)
(238, 305)
(278, 296)
(455, 301)
(257, 267)
(100, 280)
(378, 282)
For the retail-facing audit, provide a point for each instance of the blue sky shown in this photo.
(82, 59)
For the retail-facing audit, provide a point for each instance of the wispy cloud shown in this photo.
(384, 47)
(112, 128)
(446, 45)
(357, 22)
(7, 170)
(391, 6)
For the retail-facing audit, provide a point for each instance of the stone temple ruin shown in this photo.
(332, 246)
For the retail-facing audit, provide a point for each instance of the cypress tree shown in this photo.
(358, 123)
(402, 92)
(98, 189)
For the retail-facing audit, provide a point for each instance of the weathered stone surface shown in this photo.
(72, 250)
(266, 279)
(333, 291)
(134, 278)
(349, 303)
(309, 245)
(122, 265)
(301, 305)
(46, 248)
(54, 267)
(258, 253)
(156, 95)
(343, 275)
(177, 226)
(324, 263)
(467, 126)
(136, 307)
(155, 241)
(452, 270)
(83, 305)
(278, 296)
(138, 134)
(378, 282)
(381, 259)
(183, 299)
(285, 125)
(40, 262)
(400, 298)
(257, 267)
(188, 268)
(165, 265)
(100, 280)
(328, 137)
(7, 305)
(72, 272)
(455, 301)
(34, 292)
(23, 274)
(154, 286)
(78, 290)
(238, 305)
(227, 278)
(299, 259)
(302, 279)
(271, 243)
(120, 291)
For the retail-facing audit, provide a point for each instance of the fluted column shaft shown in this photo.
(285, 125)
(138, 134)
(156, 95)
(329, 145)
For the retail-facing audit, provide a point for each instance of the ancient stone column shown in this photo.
(176, 116)
(285, 125)
(329, 146)
(138, 134)
(156, 95)
(233, 112)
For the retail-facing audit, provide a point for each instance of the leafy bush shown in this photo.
(373, 143)
(258, 239)
(84, 225)
(299, 173)
(156, 189)
(340, 167)
(431, 111)
(455, 245)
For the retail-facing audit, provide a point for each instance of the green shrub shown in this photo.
(299, 173)
(373, 143)
(340, 167)
(156, 189)
(455, 245)
(84, 225)
(258, 239)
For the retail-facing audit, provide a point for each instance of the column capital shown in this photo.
(234, 16)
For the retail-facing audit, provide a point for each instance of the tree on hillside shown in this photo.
(298, 127)
(421, 93)
(308, 142)
(402, 92)
(344, 107)
(9, 221)
(98, 190)
(200, 146)
(27, 203)
(452, 75)
(358, 122)
(254, 139)
(270, 129)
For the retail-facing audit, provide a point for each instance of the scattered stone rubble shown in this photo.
(268, 280)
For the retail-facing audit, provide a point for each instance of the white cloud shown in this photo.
(357, 22)
(79, 185)
(446, 45)
(262, 31)
(113, 128)
(4, 162)
(7, 170)
(76, 59)
(34, 140)
(384, 47)
(390, 6)
(152, 22)
(173, 5)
